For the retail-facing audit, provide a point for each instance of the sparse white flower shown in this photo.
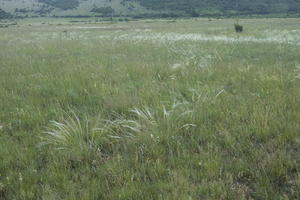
(177, 66)
(20, 177)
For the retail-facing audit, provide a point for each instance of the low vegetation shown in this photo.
(150, 110)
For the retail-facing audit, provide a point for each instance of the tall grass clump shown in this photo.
(72, 134)
(174, 118)
(78, 136)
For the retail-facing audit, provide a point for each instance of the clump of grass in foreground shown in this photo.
(79, 136)
(163, 118)
(70, 134)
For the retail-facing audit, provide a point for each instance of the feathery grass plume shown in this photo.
(74, 134)
(120, 127)
(144, 114)
(70, 134)
(171, 118)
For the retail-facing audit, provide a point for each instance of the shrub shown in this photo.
(238, 28)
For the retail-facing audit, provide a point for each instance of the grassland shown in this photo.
(184, 109)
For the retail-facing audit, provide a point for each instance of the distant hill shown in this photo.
(224, 6)
(146, 8)
(62, 4)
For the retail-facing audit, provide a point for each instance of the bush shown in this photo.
(238, 28)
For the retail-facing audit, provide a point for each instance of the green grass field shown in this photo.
(184, 109)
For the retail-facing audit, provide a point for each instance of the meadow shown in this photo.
(152, 109)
